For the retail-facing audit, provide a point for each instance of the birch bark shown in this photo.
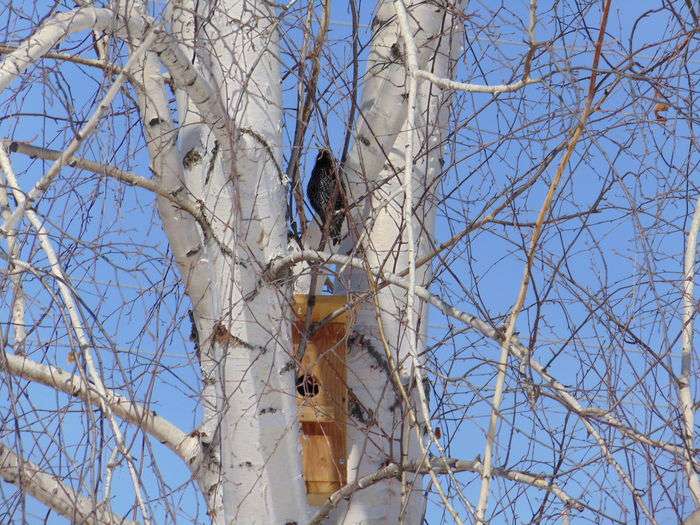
(374, 171)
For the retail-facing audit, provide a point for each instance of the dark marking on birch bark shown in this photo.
(194, 335)
(396, 54)
(358, 411)
(364, 140)
(358, 339)
(191, 158)
(212, 162)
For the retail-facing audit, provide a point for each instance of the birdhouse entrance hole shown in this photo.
(322, 394)
(307, 386)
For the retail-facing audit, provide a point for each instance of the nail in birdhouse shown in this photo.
(322, 393)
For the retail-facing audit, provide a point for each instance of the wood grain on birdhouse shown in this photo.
(322, 394)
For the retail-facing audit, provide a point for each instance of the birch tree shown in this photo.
(518, 259)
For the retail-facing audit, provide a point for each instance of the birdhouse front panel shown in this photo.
(322, 395)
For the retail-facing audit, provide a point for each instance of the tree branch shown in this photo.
(88, 128)
(110, 171)
(53, 492)
(182, 444)
(24, 204)
(684, 392)
(517, 348)
(135, 26)
(411, 64)
(440, 466)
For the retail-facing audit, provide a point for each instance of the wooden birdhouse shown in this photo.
(322, 393)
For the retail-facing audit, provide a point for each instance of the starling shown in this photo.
(325, 192)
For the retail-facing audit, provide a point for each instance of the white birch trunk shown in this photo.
(227, 159)
(381, 229)
(259, 432)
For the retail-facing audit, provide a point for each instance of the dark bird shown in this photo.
(325, 192)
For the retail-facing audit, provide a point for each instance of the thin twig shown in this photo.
(411, 64)
(454, 465)
(510, 328)
(684, 392)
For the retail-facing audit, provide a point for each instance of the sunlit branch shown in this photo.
(88, 128)
(684, 392)
(18, 304)
(407, 211)
(53, 492)
(136, 25)
(75, 59)
(71, 306)
(182, 444)
(486, 330)
(439, 467)
(195, 209)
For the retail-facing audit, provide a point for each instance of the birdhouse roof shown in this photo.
(324, 306)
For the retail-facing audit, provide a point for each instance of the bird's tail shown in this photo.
(335, 228)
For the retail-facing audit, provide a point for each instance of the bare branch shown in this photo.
(686, 398)
(407, 209)
(520, 351)
(439, 466)
(527, 272)
(182, 444)
(88, 128)
(53, 492)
